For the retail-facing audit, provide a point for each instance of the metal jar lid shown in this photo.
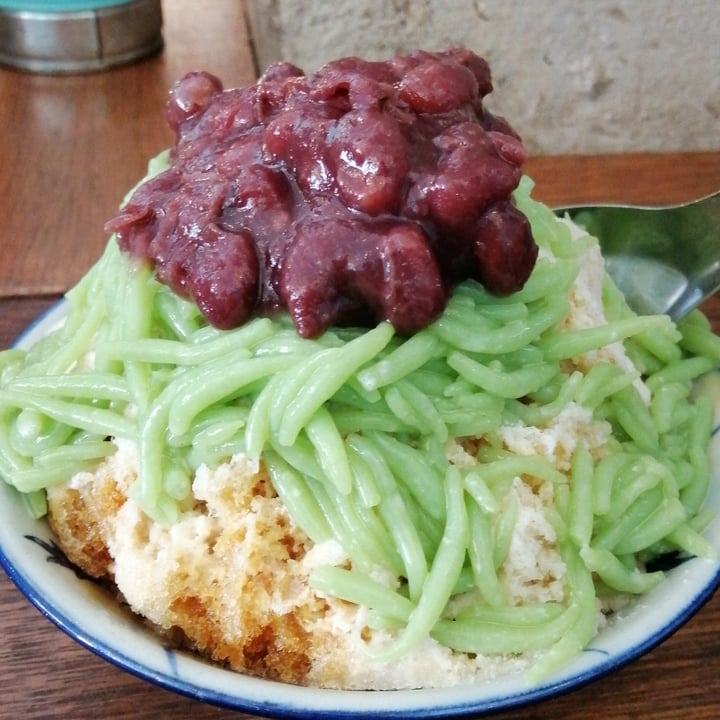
(74, 36)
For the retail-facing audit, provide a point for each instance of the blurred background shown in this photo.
(584, 76)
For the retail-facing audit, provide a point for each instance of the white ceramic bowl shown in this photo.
(95, 620)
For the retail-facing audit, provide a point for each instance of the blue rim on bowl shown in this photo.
(98, 622)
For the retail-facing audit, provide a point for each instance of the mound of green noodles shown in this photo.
(352, 428)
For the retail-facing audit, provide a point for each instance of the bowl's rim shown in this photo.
(275, 699)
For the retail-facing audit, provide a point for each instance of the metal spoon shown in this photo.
(664, 259)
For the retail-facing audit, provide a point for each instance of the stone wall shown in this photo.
(590, 76)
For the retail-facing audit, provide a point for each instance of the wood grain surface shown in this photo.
(69, 148)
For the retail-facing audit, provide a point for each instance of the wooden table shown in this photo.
(69, 148)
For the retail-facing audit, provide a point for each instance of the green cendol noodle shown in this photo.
(352, 428)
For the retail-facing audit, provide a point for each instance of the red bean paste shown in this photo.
(362, 192)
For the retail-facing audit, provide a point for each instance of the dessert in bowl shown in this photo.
(342, 407)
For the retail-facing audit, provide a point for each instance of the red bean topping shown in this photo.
(338, 269)
(501, 248)
(359, 193)
(368, 157)
(437, 87)
(469, 176)
(225, 294)
(190, 97)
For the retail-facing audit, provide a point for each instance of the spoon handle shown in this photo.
(664, 260)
